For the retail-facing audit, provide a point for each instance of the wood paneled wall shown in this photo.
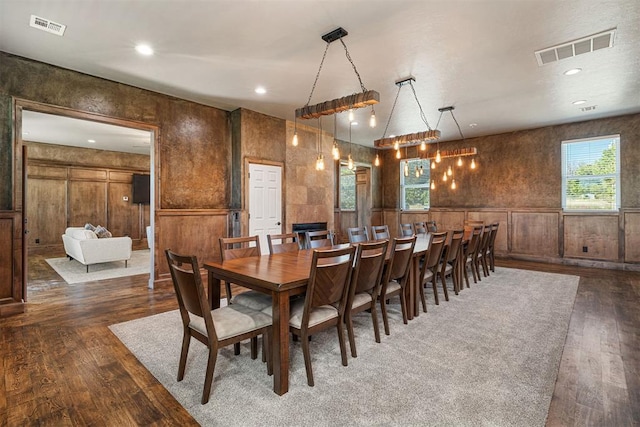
(11, 290)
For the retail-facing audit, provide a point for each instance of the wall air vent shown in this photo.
(576, 47)
(589, 108)
(47, 25)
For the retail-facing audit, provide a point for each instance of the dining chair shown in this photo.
(379, 232)
(365, 286)
(429, 269)
(214, 328)
(406, 230)
(325, 301)
(492, 244)
(420, 227)
(319, 239)
(469, 253)
(396, 276)
(480, 255)
(288, 243)
(450, 260)
(358, 234)
(431, 226)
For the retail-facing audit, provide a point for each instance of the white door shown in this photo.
(265, 202)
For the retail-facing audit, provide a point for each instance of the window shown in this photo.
(347, 189)
(591, 174)
(414, 184)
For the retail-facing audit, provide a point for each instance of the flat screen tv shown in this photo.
(141, 189)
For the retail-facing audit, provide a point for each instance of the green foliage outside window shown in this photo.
(414, 190)
(347, 189)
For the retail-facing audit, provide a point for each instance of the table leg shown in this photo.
(214, 291)
(280, 342)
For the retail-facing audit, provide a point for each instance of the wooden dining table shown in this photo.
(282, 276)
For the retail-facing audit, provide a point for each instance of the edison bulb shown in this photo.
(433, 185)
(459, 161)
(473, 163)
(398, 154)
(453, 184)
(444, 176)
(423, 146)
(438, 157)
(449, 171)
(295, 139)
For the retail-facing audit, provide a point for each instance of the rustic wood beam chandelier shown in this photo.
(410, 139)
(349, 102)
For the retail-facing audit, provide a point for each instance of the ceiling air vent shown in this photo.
(47, 25)
(576, 47)
(589, 108)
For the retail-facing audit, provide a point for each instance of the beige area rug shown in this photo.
(488, 357)
(74, 272)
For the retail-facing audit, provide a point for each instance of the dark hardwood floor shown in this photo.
(62, 365)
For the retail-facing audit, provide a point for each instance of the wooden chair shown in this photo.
(325, 301)
(431, 227)
(420, 227)
(450, 260)
(358, 234)
(492, 244)
(319, 239)
(379, 232)
(365, 286)
(215, 329)
(473, 222)
(480, 259)
(469, 253)
(429, 269)
(288, 243)
(406, 230)
(396, 276)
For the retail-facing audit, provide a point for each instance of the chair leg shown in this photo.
(444, 286)
(403, 306)
(307, 358)
(186, 339)
(236, 348)
(266, 352)
(208, 379)
(385, 319)
(343, 347)
(374, 319)
(423, 298)
(254, 348)
(466, 274)
(227, 287)
(352, 338)
(435, 288)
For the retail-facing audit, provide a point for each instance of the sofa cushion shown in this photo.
(81, 234)
(102, 232)
(89, 226)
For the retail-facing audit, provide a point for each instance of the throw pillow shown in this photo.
(89, 226)
(102, 232)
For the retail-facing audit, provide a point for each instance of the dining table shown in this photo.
(282, 276)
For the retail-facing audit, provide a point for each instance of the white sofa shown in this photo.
(85, 247)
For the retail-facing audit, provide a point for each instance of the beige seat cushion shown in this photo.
(360, 299)
(318, 314)
(231, 320)
(253, 299)
(393, 286)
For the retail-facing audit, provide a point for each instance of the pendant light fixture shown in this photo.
(335, 151)
(377, 161)
(320, 158)
(294, 142)
(350, 164)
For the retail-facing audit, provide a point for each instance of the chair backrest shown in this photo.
(319, 238)
(368, 267)
(483, 246)
(473, 222)
(239, 247)
(474, 240)
(434, 253)
(190, 293)
(401, 251)
(420, 227)
(494, 233)
(451, 251)
(329, 279)
(288, 243)
(358, 234)
(431, 227)
(380, 232)
(406, 230)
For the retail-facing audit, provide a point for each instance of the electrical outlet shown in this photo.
(37, 240)
(585, 249)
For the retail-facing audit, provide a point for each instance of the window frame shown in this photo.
(403, 187)
(616, 176)
(355, 206)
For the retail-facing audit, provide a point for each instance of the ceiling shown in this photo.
(475, 55)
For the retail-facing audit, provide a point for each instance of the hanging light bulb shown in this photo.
(335, 151)
(449, 171)
(320, 162)
(406, 168)
(398, 154)
(423, 146)
(433, 185)
(473, 163)
(433, 164)
(396, 145)
(294, 142)
(377, 161)
(459, 161)
(444, 176)
(438, 158)
(421, 170)
(351, 116)
(453, 184)
(372, 118)
(350, 162)
(417, 172)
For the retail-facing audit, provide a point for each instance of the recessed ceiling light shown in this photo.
(260, 90)
(572, 71)
(392, 136)
(91, 141)
(579, 102)
(472, 125)
(354, 123)
(144, 49)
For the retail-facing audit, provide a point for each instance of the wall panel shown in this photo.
(489, 217)
(598, 234)
(535, 233)
(632, 237)
(46, 211)
(447, 220)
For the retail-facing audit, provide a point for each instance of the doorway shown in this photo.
(69, 129)
(265, 201)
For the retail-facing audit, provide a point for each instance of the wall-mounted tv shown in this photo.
(141, 189)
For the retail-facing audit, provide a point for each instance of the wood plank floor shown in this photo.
(62, 366)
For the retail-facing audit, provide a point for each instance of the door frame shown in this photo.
(19, 182)
(247, 189)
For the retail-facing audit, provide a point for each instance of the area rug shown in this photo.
(488, 357)
(74, 272)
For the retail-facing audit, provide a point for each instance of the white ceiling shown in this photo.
(477, 55)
